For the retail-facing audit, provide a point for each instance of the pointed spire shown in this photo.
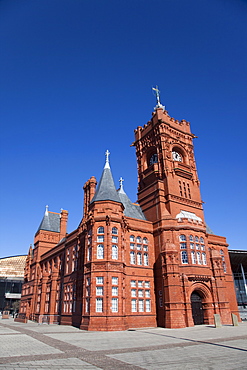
(107, 162)
(106, 189)
(121, 189)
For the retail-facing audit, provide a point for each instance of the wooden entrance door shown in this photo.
(197, 309)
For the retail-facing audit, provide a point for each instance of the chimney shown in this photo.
(63, 223)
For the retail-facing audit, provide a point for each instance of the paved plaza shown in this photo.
(34, 346)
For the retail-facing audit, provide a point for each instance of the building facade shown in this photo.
(134, 265)
(11, 280)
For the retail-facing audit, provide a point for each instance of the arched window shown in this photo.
(132, 258)
(145, 259)
(201, 240)
(100, 251)
(204, 260)
(153, 159)
(223, 260)
(114, 252)
(196, 239)
(100, 230)
(184, 257)
(132, 238)
(114, 230)
(139, 258)
(182, 238)
(138, 239)
(191, 238)
(145, 241)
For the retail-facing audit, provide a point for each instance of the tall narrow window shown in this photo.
(204, 260)
(180, 188)
(114, 291)
(188, 188)
(184, 257)
(148, 305)
(193, 258)
(132, 238)
(99, 304)
(133, 305)
(139, 258)
(132, 258)
(114, 280)
(145, 259)
(114, 304)
(100, 251)
(114, 252)
(141, 305)
(199, 258)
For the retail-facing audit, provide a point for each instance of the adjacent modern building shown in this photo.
(133, 265)
(11, 280)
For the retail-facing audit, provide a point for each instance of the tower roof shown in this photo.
(106, 189)
(50, 222)
(130, 209)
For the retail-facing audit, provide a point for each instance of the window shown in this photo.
(141, 305)
(191, 238)
(140, 293)
(204, 260)
(114, 252)
(145, 259)
(114, 290)
(147, 284)
(99, 280)
(132, 258)
(114, 230)
(114, 239)
(139, 283)
(133, 305)
(145, 248)
(139, 247)
(182, 238)
(132, 246)
(99, 304)
(147, 293)
(145, 241)
(87, 305)
(153, 159)
(223, 260)
(88, 281)
(192, 246)
(99, 290)
(100, 238)
(89, 253)
(114, 280)
(184, 257)
(100, 230)
(100, 251)
(148, 305)
(196, 239)
(199, 258)
(114, 305)
(132, 238)
(138, 239)
(133, 283)
(197, 246)
(139, 258)
(193, 257)
(183, 246)
(133, 292)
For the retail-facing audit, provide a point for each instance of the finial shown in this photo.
(157, 94)
(46, 210)
(107, 164)
(121, 180)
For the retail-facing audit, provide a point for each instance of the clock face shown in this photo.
(176, 156)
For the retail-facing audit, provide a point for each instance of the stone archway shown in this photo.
(197, 308)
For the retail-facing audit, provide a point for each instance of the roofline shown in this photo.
(18, 255)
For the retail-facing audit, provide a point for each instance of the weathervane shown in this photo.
(157, 94)
(121, 180)
(107, 153)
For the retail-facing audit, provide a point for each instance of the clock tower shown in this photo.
(169, 196)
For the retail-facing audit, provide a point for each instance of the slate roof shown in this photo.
(106, 189)
(50, 222)
(130, 209)
(208, 230)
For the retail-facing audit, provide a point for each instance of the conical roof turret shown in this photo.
(106, 189)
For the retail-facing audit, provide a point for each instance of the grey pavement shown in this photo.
(34, 346)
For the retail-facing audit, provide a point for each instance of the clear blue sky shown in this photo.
(76, 78)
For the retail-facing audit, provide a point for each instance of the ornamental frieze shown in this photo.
(199, 278)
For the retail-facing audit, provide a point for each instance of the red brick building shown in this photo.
(134, 265)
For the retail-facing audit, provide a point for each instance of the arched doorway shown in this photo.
(197, 309)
